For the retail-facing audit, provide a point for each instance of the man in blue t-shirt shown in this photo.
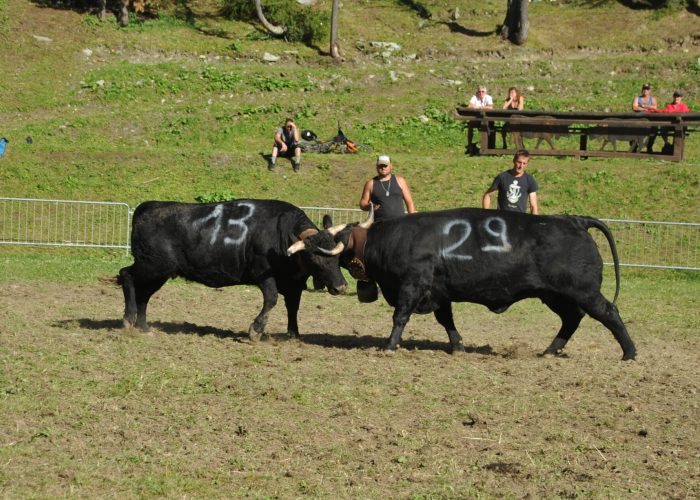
(515, 187)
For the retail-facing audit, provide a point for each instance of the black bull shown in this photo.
(423, 262)
(220, 244)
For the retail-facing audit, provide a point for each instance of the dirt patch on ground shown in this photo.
(193, 409)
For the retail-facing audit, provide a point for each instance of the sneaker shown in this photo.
(296, 166)
(271, 166)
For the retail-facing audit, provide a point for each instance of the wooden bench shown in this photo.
(642, 135)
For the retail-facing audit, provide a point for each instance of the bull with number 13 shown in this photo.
(238, 242)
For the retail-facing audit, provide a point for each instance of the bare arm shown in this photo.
(407, 196)
(534, 208)
(486, 200)
(278, 140)
(366, 193)
(522, 103)
(636, 106)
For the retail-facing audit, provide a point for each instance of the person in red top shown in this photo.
(677, 106)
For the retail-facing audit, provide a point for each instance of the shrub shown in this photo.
(215, 197)
(303, 24)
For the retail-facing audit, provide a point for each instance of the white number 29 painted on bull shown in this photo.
(218, 215)
(494, 226)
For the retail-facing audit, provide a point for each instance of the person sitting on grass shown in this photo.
(286, 145)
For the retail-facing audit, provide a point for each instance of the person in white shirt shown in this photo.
(481, 100)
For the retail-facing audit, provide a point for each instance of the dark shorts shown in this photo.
(291, 146)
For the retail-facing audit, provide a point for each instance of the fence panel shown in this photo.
(665, 245)
(26, 221)
(339, 215)
(64, 223)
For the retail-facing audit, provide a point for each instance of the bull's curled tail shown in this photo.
(588, 222)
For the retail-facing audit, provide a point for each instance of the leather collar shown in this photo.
(358, 237)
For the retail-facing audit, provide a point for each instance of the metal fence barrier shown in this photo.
(665, 245)
(339, 215)
(26, 221)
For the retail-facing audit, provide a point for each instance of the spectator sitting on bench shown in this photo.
(646, 101)
(481, 100)
(677, 106)
(514, 100)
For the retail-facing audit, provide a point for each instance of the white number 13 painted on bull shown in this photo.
(494, 227)
(218, 214)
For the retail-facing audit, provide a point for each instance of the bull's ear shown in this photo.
(327, 221)
(296, 247)
(369, 220)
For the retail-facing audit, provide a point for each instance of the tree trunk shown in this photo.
(335, 49)
(276, 30)
(103, 10)
(123, 13)
(516, 25)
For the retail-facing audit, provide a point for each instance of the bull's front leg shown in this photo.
(396, 333)
(292, 299)
(269, 290)
(405, 305)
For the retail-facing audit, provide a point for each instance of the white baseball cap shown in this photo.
(383, 160)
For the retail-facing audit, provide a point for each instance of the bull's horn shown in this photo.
(307, 232)
(336, 251)
(336, 229)
(296, 247)
(370, 218)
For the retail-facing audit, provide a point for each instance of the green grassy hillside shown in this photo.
(171, 110)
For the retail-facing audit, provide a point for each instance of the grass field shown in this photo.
(168, 109)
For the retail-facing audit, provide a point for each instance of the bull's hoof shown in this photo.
(458, 349)
(253, 334)
(294, 336)
(127, 324)
(551, 353)
(632, 356)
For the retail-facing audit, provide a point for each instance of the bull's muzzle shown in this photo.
(337, 290)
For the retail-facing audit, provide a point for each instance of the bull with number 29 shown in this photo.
(425, 261)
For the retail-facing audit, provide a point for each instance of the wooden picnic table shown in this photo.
(638, 132)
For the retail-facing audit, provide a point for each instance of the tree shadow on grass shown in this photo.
(458, 28)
